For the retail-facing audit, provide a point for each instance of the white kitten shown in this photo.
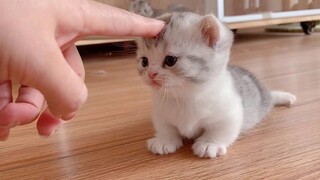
(196, 93)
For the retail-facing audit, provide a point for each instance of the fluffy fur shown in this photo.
(200, 96)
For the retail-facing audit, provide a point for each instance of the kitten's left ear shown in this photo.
(210, 29)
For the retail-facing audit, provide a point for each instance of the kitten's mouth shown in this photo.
(156, 84)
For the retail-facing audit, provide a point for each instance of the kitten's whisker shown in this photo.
(163, 94)
(186, 92)
(166, 94)
(176, 98)
(159, 91)
(183, 97)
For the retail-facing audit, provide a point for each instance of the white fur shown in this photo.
(212, 111)
(283, 98)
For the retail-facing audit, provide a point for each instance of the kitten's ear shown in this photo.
(210, 29)
(165, 17)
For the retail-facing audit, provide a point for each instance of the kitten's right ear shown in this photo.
(210, 29)
(165, 17)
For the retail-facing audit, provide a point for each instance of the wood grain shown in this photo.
(107, 138)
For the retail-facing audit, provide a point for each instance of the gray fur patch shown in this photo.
(199, 61)
(256, 99)
(182, 73)
(196, 79)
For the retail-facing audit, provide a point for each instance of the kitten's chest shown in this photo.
(185, 115)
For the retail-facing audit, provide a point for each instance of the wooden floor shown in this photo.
(107, 139)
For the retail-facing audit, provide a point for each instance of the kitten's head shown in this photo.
(190, 50)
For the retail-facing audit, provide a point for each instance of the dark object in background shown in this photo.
(308, 26)
(108, 49)
(305, 27)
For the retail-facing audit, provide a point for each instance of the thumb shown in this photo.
(64, 91)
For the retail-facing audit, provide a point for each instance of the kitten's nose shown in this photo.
(152, 74)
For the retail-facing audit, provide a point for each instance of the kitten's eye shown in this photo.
(145, 61)
(170, 60)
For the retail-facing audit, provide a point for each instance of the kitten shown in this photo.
(196, 93)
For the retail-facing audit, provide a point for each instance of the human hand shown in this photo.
(37, 51)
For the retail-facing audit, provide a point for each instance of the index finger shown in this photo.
(101, 19)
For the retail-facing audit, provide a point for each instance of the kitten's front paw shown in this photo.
(208, 150)
(163, 146)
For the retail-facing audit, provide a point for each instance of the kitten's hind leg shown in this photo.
(281, 98)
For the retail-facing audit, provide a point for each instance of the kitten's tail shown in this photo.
(281, 98)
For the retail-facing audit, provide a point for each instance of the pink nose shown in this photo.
(152, 74)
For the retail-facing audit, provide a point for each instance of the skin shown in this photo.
(37, 51)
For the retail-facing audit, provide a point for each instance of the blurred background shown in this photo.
(274, 16)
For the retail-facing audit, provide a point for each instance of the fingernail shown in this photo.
(48, 135)
(14, 124)
(53, 132)
(4, 138)
(69, 116)
(160, 23)
(9, 124)
(4, 134)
